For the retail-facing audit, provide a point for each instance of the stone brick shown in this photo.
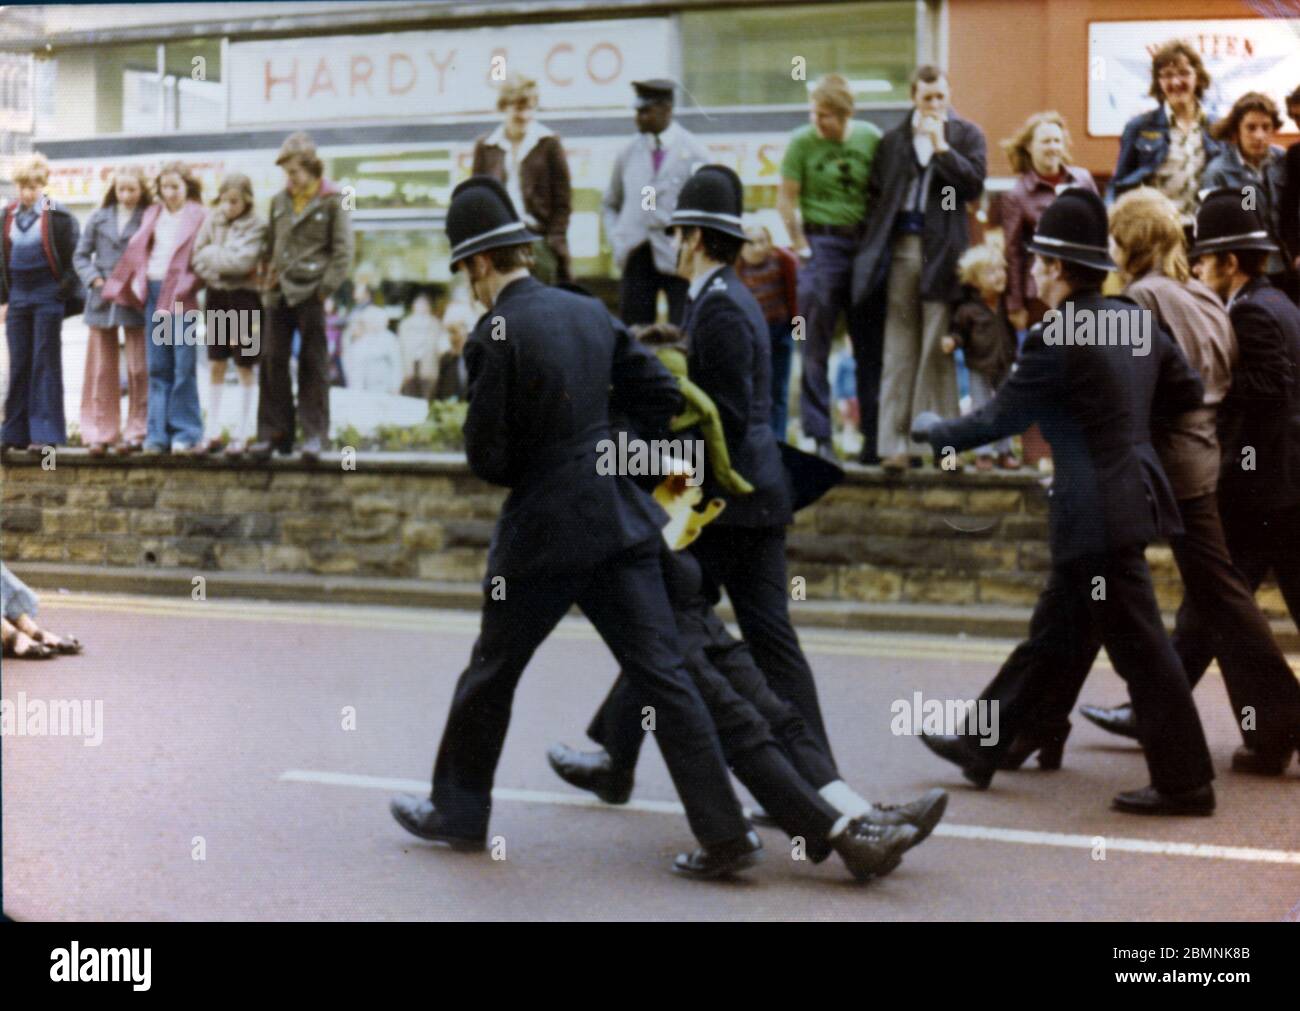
(1003, 502)
(903, 553)
(235, 557)
(862, 496)
(85, 549)
(1037, 501)
(868, 583)
(188, 501)
(983, 556)
(468, 533)
(95, 497)
(1271, 602)
(295, 480)
(245, 500)
(943, 499)
(144, 475)
(306, 530)
(1010, 588)
(122, 551)
(210, 525)
(188, 552)
(369, 505)
(420, 536)
(938, 588)
(284, 558)
(111, 522)
(389, 560)
(149, 523)
(825, 549)
(42, 550)
(20, 519)
(102, 475)
(332, 559)
(369, 528)
(456, 564)
(1035, 556)
(42, 494)
(258, 527)
(1024, 528)
(62, 522)
(819, 581)
(132, 497)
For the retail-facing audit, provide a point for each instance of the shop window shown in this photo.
(745, 57)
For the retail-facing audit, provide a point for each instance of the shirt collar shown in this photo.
(668, 138)
(535, 132)
(697, 286)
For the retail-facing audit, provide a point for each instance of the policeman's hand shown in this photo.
(922, 424)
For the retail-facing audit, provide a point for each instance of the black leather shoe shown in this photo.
(923, 814)
(957, 749)
(720, 859)
(418, 816)
(1117, 719)
(1149, 800)
(872, 851)
(1261, 763)
(591, 770)
(1048, 741)
(868, 456)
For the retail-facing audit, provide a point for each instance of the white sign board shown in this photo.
(1243, 54)
(582, 65)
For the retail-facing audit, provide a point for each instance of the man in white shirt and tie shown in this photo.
(648, 175)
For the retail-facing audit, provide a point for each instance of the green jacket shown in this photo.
(702, 413)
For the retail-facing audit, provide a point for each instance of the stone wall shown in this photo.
(925, 537)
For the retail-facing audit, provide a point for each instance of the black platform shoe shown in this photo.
(1048, 741)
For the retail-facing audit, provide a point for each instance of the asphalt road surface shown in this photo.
(248, 750)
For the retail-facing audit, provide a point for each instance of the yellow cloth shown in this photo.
(301, 200)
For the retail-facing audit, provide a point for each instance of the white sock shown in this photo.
(838, 828)
(844, 799)
(246, 392)
(214, 409)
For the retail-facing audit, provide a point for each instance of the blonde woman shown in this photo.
(529, 159)
(40, 286)
(1218, 617)
(226, 254)
(103, 241)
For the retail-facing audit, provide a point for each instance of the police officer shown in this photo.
(543, 365)
(743, 550)
(1259, 484)
(1094, 402)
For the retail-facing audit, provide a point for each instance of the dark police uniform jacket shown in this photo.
(539, 408)
(1094, 404)
(1261, 410)
(730, 358)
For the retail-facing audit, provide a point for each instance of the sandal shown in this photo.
(67, 645)
(36, 650)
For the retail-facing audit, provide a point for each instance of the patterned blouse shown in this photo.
(1179, 178)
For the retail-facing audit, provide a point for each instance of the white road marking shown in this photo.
(1025, 837)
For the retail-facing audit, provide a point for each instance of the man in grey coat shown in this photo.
(648, 175)
(925, 172)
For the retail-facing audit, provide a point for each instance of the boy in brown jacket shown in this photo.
(309, 253)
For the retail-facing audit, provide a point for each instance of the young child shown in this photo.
(102, 243)
(985, 335)
(226, 255)
(771, 273)
(372, 359)
(155, 272)
(701, 412)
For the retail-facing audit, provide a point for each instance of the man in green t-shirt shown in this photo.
(823, 201)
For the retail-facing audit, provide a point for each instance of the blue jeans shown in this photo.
(174, 414)
(34, 403)
(782, 350)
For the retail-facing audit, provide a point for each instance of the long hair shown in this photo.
(193, 188)
(1167, 55)
(1229, 127)
(1016, 147)
(136, 172)
(1148, 234)
(241, 184)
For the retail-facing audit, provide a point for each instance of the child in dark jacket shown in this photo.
(772, 275)
(980, 327)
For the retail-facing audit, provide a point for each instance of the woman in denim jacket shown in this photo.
(1169, 147)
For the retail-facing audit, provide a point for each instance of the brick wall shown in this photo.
(926, 537)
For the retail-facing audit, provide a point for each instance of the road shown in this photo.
(227, 786)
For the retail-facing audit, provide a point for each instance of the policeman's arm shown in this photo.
(723, 363)
(1263, 376)
(1035, 383)
(487, 433)
(642, 387)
